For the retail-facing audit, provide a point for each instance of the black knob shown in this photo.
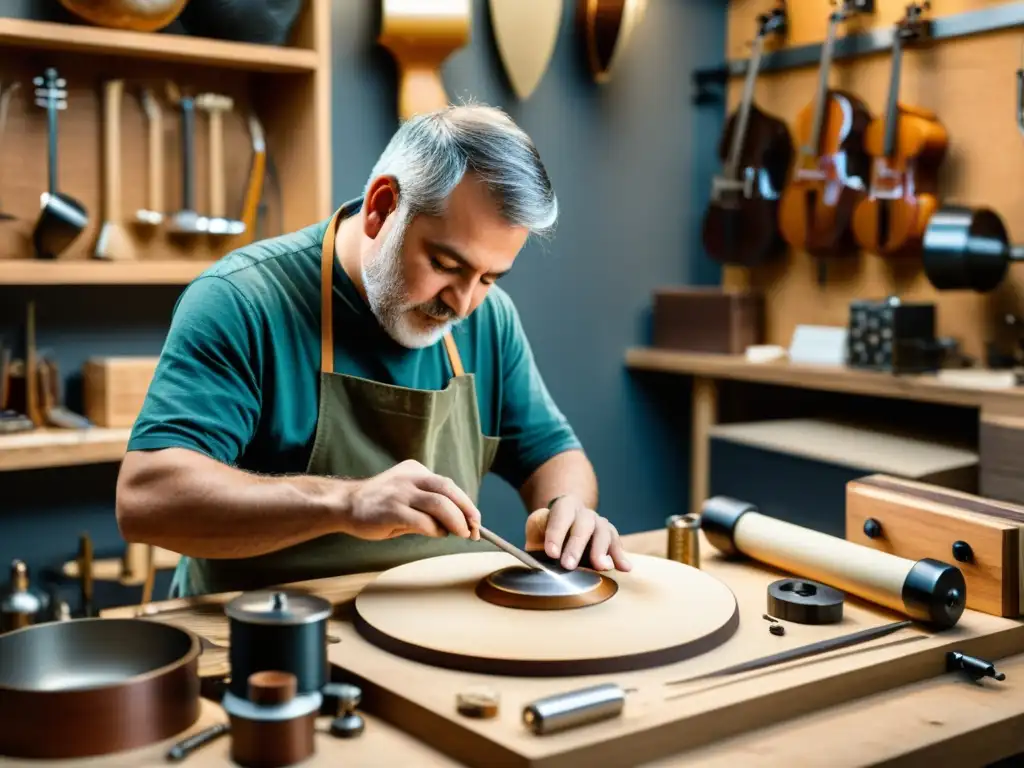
(872, 528)
(962, 552)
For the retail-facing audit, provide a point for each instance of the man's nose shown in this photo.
(461, 299)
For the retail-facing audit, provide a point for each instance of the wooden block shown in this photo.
(707, 320)
(919, 520)
(114, 389)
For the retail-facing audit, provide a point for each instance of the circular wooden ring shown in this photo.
(501, 588)
(428, 611)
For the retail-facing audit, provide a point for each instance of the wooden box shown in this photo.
(916, 520)
(691, 319)
(1001, 449)
(114, 389)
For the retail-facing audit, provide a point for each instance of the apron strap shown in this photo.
(326, 305)
(453, 355)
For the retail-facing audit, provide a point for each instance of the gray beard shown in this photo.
(388, 297)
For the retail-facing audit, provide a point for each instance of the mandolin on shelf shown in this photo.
(816, 208)
(741, 225)
(907, 145)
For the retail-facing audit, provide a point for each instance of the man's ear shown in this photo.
(380, 201)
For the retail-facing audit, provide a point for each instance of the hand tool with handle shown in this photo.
(62, 217)
(114, 241)
(187, 221)
(215, 105)
(257, 173)
(153, 214)
(5, 103)
(526, 559)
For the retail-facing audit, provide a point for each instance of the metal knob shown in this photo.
(962, 552)
(349, 723)
(872, 528)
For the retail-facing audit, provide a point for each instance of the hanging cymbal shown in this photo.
(607, 26)
(525, 32)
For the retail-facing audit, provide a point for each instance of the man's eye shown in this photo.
(442, 266)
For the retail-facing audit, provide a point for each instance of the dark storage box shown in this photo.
(707, 320)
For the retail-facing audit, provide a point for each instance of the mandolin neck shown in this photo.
(827, 52)
(891, 113)
(732, 167)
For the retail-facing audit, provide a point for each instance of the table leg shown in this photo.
(705, 415)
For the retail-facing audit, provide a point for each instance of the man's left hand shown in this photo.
(567, 529)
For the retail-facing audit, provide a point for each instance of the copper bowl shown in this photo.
(90, 687)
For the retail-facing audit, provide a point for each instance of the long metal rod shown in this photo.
(881, 40)
(801, 652)
(526, 559)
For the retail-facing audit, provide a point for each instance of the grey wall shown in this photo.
(631, 162)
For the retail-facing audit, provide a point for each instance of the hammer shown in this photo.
(187, 221)
(215, 105)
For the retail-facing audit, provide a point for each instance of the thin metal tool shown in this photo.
(803, 651)
(526, 559)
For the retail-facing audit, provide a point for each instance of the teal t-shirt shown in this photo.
(238, 376)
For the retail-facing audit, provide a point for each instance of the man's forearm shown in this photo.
(189, 503)
(567, 472)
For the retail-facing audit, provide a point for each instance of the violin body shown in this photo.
(816, 209)
(892, 218)
(741, 226)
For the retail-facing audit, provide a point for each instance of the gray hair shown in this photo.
(430, 154)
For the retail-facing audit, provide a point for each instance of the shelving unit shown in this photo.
(61, 448)
(286, 87)
(708, 369)
(46, 35)
(82, 272)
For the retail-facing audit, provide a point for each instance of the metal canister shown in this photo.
(683, 539)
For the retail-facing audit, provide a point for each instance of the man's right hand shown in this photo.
(409, 498)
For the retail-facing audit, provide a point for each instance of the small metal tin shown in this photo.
(278, 630)
(683, 539)
(575, 708)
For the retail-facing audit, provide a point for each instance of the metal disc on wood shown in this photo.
(520, 587)
(805, 602)
(430, 611)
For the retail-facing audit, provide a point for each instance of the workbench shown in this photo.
(998, 409)
(942, 719)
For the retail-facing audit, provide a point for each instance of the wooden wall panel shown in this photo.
(971, 84)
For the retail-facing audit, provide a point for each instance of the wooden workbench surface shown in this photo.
(945, 715)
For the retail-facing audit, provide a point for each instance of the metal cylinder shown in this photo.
(683, 539)
(580, 707)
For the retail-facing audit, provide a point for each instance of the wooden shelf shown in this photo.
(207, 52)
(850, 446)
(923, 388)
(83, 272)
(62, 448)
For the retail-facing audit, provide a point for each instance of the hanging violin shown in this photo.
(816, 209)
(908, 144)
(741, 225)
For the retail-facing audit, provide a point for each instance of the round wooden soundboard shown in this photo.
(430, 611)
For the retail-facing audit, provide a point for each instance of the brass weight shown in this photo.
(683, 539)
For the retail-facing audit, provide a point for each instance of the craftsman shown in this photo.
(273, 447)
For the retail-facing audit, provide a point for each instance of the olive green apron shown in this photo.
(364, 428)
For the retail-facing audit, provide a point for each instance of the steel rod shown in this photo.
(525, 558)
(801, 652)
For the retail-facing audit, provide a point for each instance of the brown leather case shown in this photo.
(695, 319)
